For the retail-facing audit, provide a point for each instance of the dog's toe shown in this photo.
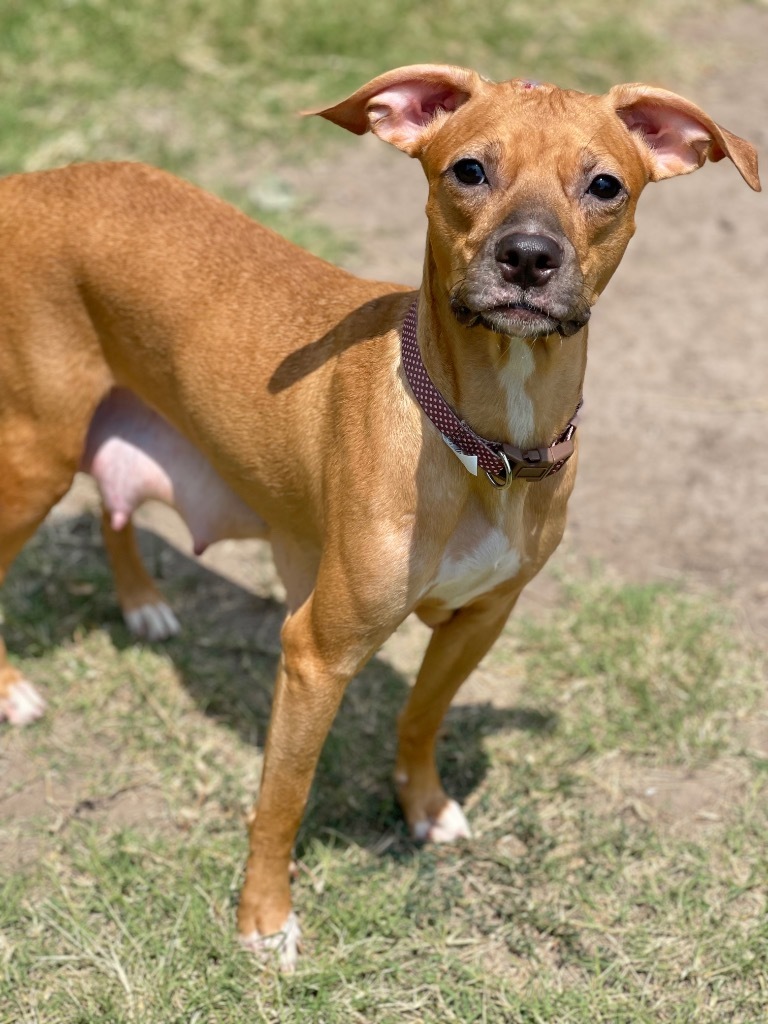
(22, 704)
(446, 827)
(286, 944)
(153, 622)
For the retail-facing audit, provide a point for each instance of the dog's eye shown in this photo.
(605, 186)
(470, 172)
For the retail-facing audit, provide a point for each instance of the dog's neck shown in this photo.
(522, 391)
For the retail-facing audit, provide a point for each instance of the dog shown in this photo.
(402, 451)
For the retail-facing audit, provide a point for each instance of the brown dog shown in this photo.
(159, 339)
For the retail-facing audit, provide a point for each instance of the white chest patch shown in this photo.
(520, 366)
(464, 577)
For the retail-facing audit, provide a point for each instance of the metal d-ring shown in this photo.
(501, 482)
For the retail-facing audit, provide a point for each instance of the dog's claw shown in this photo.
(446, 827)
(286, 944)
(22, 704)
(153, 622)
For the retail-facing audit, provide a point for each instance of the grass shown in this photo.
(211, 90)
(628, 664)
(584, 896)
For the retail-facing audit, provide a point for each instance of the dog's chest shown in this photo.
(478, 558)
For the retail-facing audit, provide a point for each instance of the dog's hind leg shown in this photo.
(145, 612)
(30, 485)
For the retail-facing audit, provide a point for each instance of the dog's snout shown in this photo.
(528, 260)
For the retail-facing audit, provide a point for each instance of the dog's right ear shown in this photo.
(403, 106)
(675, 136)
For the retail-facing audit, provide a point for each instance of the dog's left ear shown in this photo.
(676, 136)
(402, 106)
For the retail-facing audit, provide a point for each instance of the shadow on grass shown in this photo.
(226, 658)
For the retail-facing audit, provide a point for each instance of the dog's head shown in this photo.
(532, 189)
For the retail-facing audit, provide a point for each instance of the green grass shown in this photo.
(628, 666)
(187, 72)
(582, 898)
(211, 90)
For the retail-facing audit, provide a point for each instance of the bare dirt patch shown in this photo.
(40, 798)
(683, 802)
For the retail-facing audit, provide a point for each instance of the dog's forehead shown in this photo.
(523, 118)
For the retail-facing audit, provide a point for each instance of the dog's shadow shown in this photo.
(226, 658)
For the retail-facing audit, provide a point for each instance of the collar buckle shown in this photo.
(539, 463)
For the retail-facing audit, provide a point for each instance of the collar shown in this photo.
(501, 462)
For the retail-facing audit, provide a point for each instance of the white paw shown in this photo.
(286, 943)
(152, 622)
(22, 704)
(449, 825)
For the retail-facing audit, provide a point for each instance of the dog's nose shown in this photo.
(528, 260)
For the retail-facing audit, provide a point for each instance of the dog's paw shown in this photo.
(286, 944)
(22, 704)
(152, 622)
(446, 827)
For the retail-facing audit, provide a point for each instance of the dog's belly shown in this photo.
(134, 455)
(469, 570)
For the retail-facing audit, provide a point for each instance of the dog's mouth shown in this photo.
(521, 319)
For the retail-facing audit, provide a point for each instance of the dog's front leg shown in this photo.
(324, 644)
(454, 650)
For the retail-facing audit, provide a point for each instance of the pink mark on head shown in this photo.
(529, 84)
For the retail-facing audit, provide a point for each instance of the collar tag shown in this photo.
(468, 461)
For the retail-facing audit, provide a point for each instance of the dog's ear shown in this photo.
(676, 136)
(402, 105)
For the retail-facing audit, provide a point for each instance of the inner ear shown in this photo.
(401, 105)
(678, 143)
(400, 114)
(676, 136)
